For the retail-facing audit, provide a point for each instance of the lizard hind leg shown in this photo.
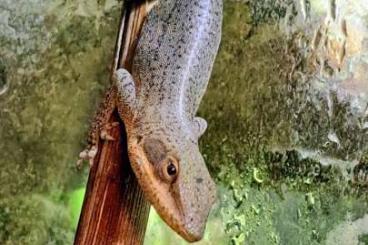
(99, 128)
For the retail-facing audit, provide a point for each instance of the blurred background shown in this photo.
(286, 108)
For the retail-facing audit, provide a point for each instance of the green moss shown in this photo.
(271, 10)
(55, 57)
(34, 220)
(364, 239)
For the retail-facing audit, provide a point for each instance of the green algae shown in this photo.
(56, 66)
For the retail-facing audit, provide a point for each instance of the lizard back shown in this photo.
(175, 55)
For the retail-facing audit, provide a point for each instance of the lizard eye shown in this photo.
(170, 170)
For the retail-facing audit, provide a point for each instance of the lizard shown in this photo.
(158, 102)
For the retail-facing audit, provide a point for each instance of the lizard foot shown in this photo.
(99, 128)
(104, 134)
(90, 152)
(87, 155)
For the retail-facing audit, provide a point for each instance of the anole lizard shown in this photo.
(158, 102)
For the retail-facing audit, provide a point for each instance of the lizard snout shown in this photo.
(197, 193)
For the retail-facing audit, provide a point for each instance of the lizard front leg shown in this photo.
(120, 95)
(126, 94)
(99, 127)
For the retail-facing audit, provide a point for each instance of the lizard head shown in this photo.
(173, 176)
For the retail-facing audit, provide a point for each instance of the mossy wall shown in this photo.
(286, 108)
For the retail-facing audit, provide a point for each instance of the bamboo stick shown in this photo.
(114, 209)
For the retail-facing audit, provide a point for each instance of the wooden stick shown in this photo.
(114, 209)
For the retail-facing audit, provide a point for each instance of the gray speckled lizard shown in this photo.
(158, 103)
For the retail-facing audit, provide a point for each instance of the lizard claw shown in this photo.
(104, 134)
(87, 154)
(79, 163)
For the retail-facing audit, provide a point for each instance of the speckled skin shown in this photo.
(158, 103)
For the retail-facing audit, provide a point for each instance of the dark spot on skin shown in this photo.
(155, 150)
(199, 180)
(139, 139)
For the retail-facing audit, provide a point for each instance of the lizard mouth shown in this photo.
(186, 228)
(182, 224)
